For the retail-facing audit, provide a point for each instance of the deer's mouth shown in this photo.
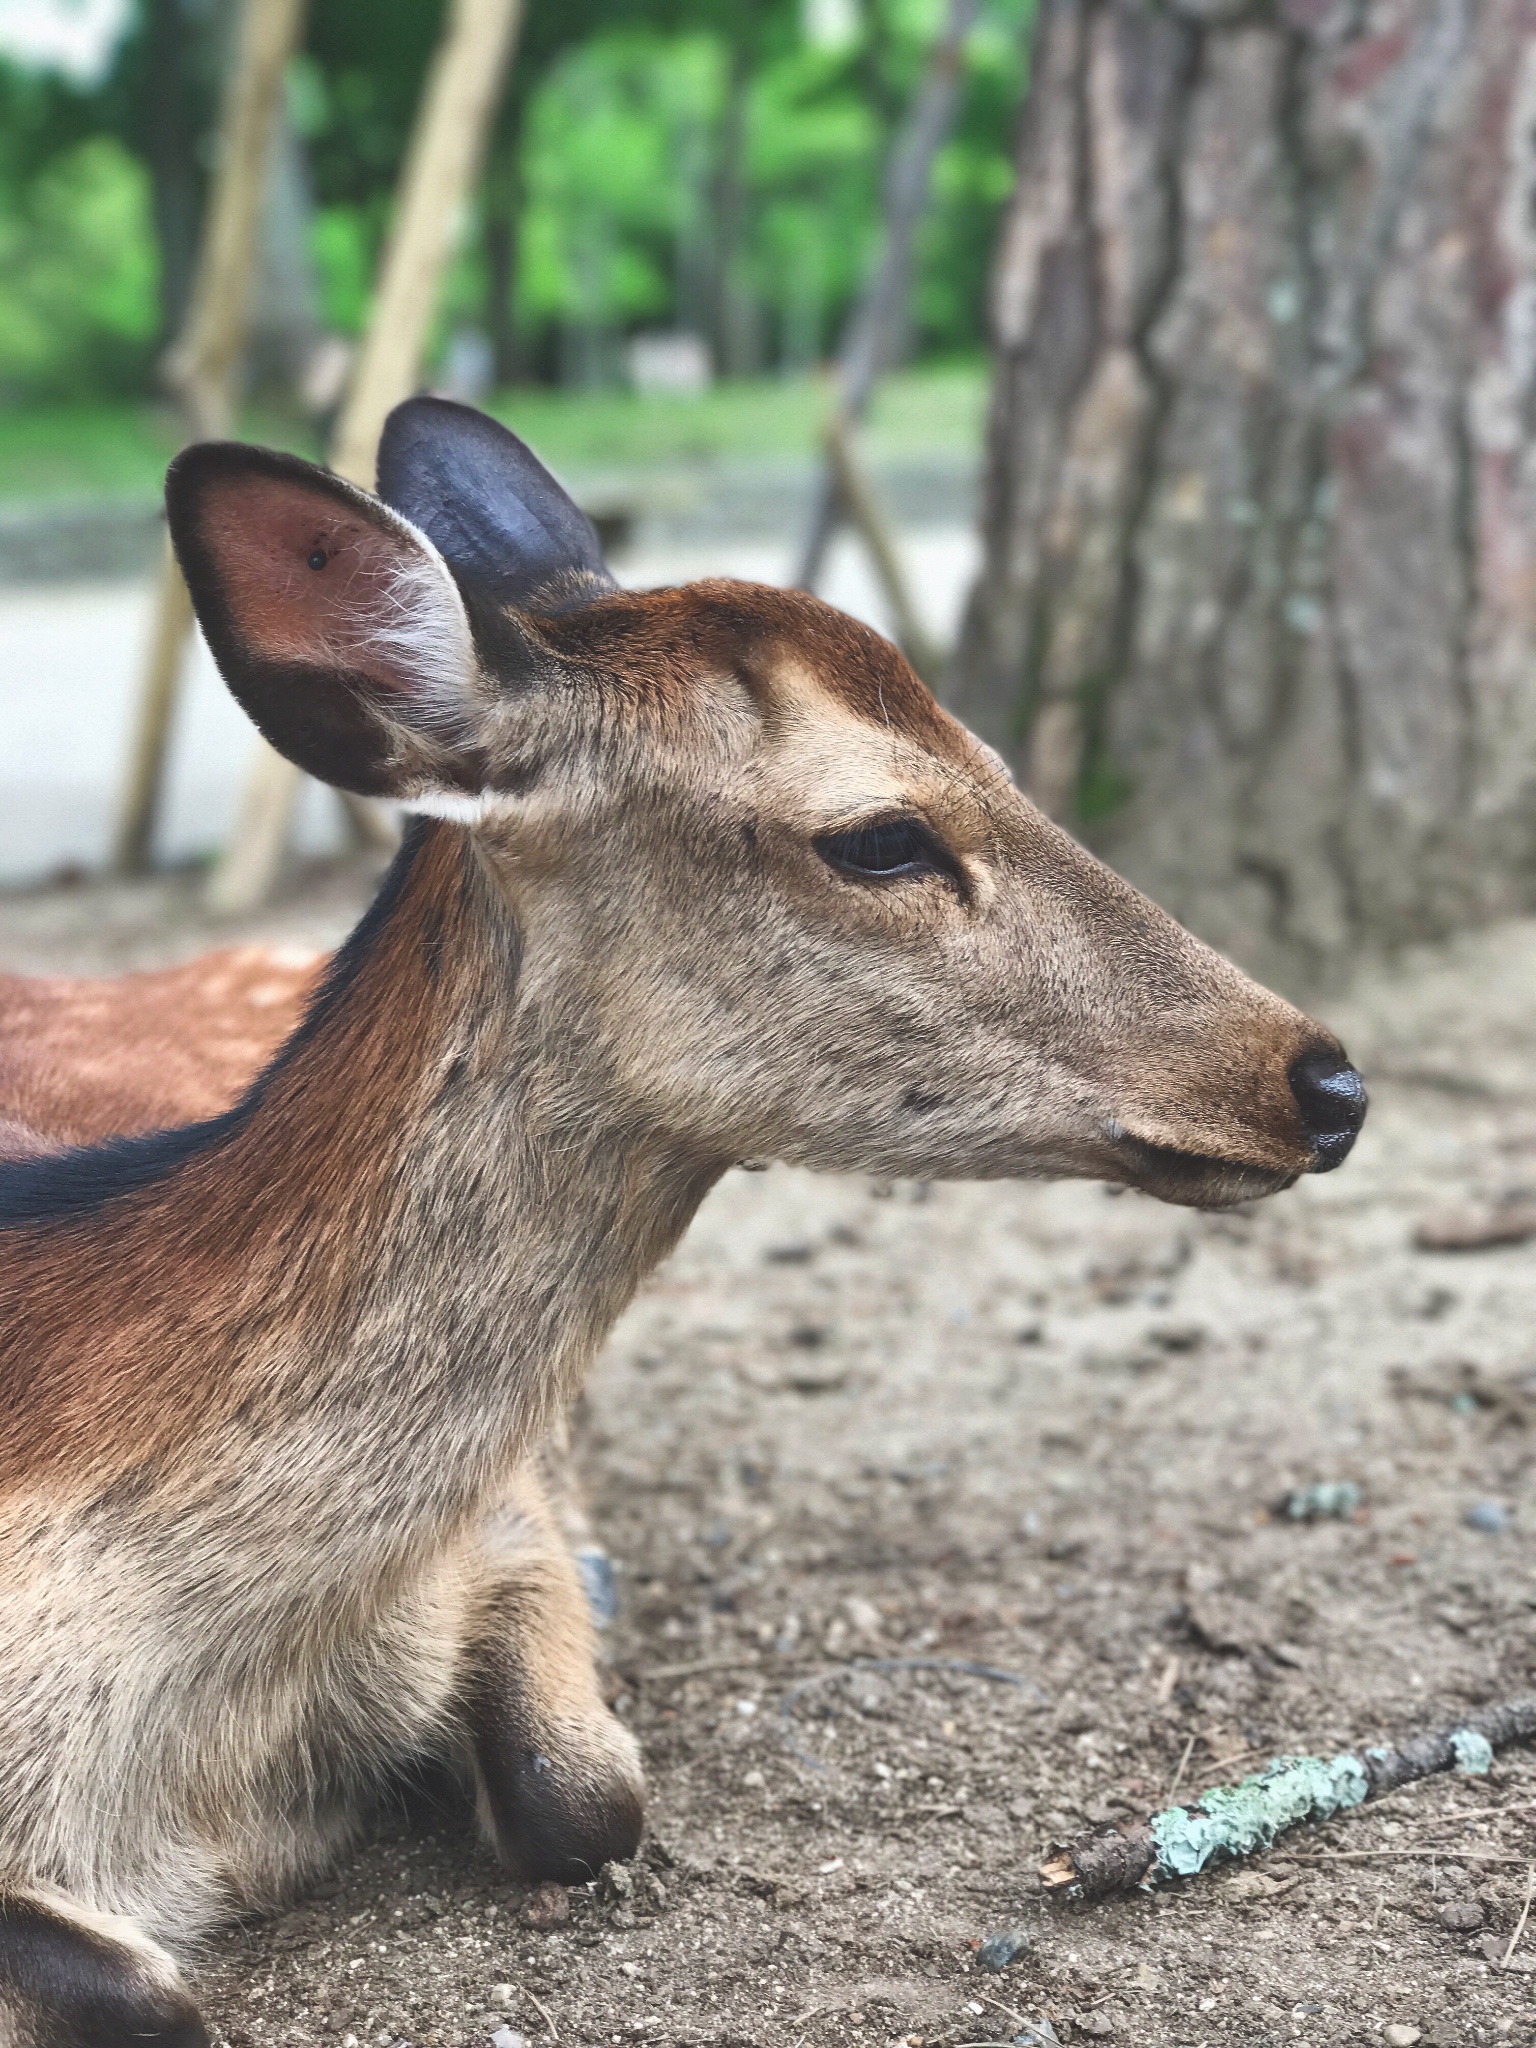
(1197, 1180)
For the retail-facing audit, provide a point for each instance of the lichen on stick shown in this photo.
(1232, 1821)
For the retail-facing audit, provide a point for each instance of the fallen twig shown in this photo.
(554, 2031)
(1431, 1852)
(1525, 1914)
(1219, 1763)
(696, 1665)
(1178, 1777)
(1007, 2011)
(1464, 1813)
(1232, 1821)
(966, 1666)
(1163, 1691)
(1475, 1230)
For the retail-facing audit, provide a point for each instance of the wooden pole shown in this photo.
(861, 506)
(874, 333)
(201, 369)
(457, 107)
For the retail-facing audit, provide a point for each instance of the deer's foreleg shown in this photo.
(558, 1776)
(89, 1980)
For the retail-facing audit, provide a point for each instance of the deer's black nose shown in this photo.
(1332, 1100)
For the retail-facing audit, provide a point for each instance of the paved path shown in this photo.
(69, 660)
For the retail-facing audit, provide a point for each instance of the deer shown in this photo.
(692, 877)
(85, 1057)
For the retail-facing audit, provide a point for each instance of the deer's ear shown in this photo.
(334, 622)
(500, 520)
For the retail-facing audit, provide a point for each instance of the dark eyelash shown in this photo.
(891, 849)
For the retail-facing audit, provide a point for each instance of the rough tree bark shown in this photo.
(1258, 606)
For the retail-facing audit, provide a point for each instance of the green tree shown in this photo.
(656, 162)
(78, 261)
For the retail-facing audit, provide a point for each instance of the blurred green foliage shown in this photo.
(79, 266)
(106, 449)
(78, 260)
(704, 164)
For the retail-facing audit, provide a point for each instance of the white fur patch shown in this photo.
(417, 625)
(456, 805)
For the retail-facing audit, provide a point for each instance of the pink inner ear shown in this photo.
(266, 534)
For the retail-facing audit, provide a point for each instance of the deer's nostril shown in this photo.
(1332, 1099)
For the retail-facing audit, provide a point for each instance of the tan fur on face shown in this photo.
(1053, 1020)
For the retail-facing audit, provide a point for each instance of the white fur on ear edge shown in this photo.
(456, 805)
(418, 625)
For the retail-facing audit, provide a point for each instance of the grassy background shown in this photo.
(102, 450)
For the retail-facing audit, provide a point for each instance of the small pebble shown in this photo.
(550, 1906)
(1399, 2036)
(1489, 1518)
(505, 2038)
(1461, 1916)
(1330, 1500)
(502, 1994)
(598, 1583)
(1177, 1336)
(999, 1950)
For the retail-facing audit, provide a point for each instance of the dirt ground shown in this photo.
(855, 1438)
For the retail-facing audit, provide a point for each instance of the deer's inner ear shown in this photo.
(302, 576)
(336, 625)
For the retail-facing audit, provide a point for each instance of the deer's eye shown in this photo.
(893, 848)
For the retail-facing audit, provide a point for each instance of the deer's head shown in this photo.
(786, 904)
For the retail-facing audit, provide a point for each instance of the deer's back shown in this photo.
(84, 1058)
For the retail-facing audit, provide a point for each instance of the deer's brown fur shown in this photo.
(269, 1390)
(85, 1058)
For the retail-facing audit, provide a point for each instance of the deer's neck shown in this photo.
(372, 1289)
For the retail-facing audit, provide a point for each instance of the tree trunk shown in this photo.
(500, 200)
(1258, 607)
(737, 322)
(284, 317)
(175, 176)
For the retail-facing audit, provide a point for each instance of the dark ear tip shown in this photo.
(198, 461)
(426, 405)
(426, 419)
(187, 479)
(425, 410)
(201, 462)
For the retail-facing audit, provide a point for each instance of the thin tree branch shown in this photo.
(1230, 1822)
(874, 331)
